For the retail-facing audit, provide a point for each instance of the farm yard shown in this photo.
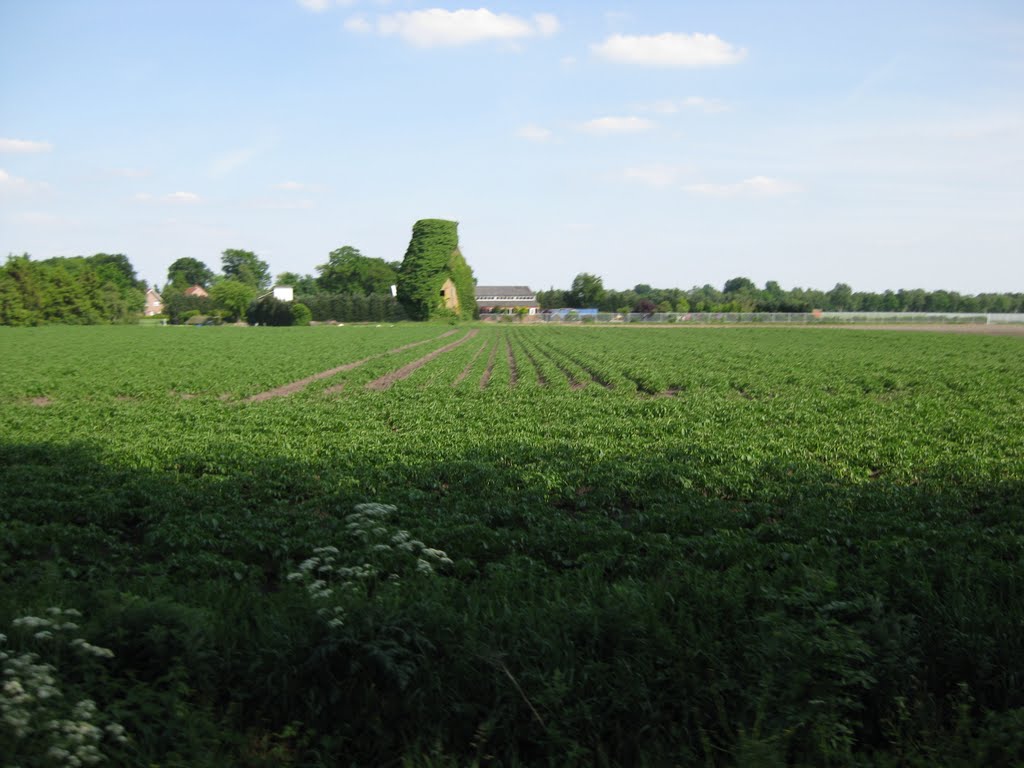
(492, 544)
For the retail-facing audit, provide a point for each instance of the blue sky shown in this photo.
(672, 143)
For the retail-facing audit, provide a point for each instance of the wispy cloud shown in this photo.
(182, 197)
(533, 132)
(657, 175)
(131, 173)
(436, 27)
(607, 126)
(317, 6)
(227, 162)
(290, 186)
(358, 24)
(669, 50)
(16, 185)
(756, 186)
(693, 103)
(22, 146)
(172, 197)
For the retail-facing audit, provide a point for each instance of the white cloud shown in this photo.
(756, 186)
(290, 185)
(173, 197)
(568, 61)
(10, 181)
(182, 197)
(705, 105)
(18, 185)
(669, 50)
(315, 5)
(670, 107)
(606, 126)
(22, 146)
(547, 24)
(655, 175)
(438, 27)
(358, 24)
(534, 133)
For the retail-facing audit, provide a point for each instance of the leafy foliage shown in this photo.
(433, 257)
(187, 271)
(348, 271)
(234, 296)
(246, 267)
(84, 290)
(655, 547)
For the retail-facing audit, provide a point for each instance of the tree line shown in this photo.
(740, 294)
(82, 290)
(352, 287)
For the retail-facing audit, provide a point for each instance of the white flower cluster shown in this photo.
(324, 573)
(32, 700)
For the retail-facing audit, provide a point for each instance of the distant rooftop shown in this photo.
(504, 293)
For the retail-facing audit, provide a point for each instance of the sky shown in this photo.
(672, 143)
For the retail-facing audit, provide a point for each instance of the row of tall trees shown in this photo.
(81, 290)
(740, 294)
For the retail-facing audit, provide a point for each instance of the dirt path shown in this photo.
(384, 382)
(469, 366)
(297, 386)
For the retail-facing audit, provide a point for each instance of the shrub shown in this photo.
(301, 314)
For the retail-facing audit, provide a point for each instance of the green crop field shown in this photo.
(500, 545)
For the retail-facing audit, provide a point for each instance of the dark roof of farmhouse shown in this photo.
(516, 291)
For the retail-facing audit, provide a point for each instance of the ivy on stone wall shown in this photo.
(432, 258)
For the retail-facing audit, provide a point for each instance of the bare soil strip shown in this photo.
(335, 389)
(296, 386)
(486, 378)
(384, 382)
(513, 374)
(469, 366)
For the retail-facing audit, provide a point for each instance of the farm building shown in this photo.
(280, 292)
(499, 298)
(196, 290)
(154, 303)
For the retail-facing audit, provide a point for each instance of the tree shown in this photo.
(739, 284)
(840, 297)
(246, 267)
(303, 284)
(349, 271)
(234, 296)
(587, 291)
(187, 271)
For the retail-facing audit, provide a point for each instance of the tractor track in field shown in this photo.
(388, 379)
(297, 386)
(469, 366)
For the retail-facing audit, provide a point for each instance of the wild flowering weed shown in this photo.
(386, 555)
(37, 723)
